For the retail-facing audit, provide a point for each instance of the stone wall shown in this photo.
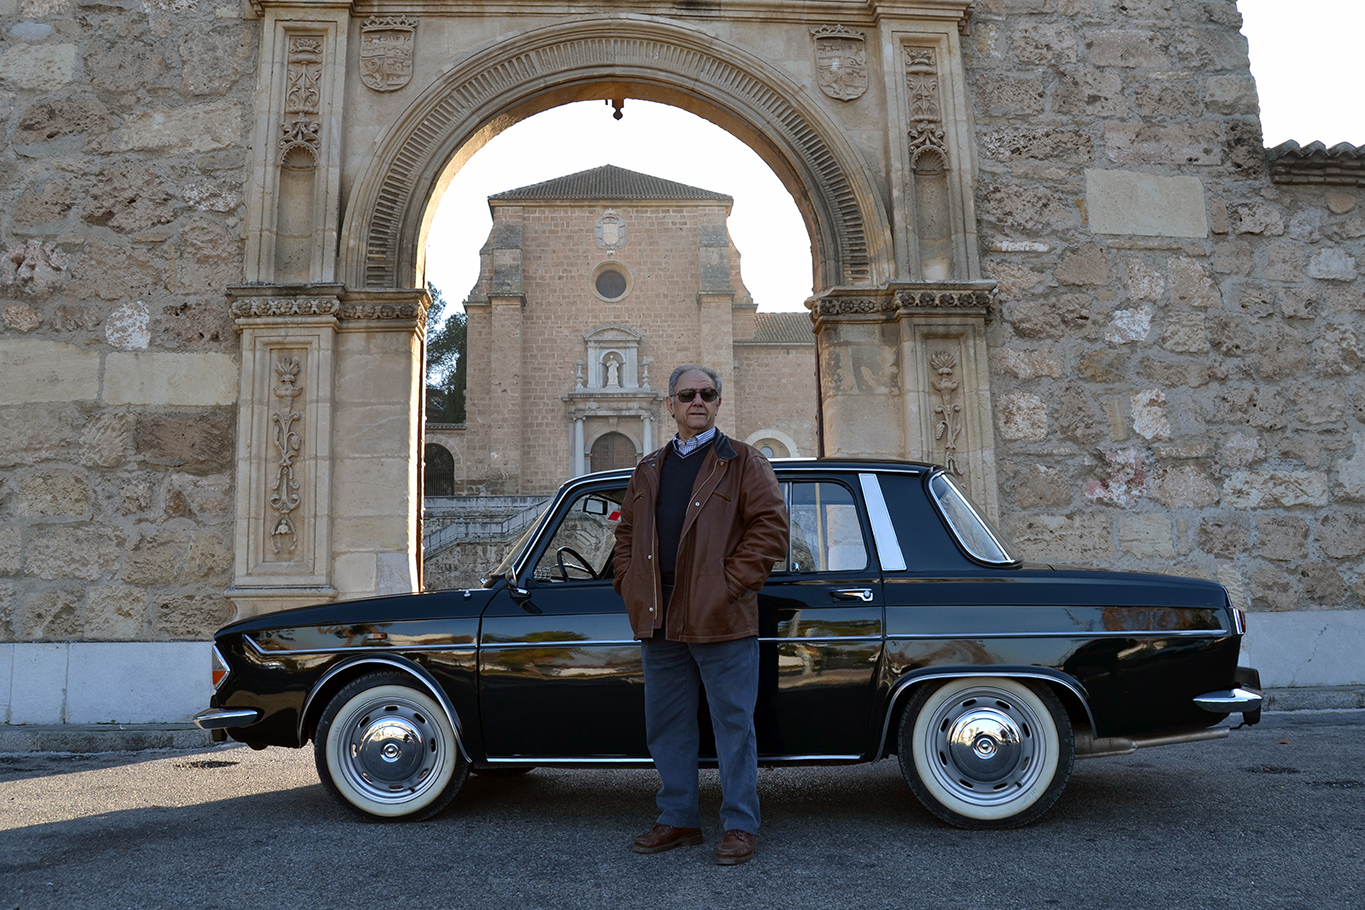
(1176, 360)
(122, 167)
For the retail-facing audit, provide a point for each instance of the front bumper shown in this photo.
(223, 718)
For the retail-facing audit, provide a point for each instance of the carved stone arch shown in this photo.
(625, 54)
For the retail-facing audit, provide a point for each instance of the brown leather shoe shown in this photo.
(736, 847)
(666, 837)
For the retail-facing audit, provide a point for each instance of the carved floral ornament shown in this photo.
(840, 61)
(300, 138)
(903, 301)
(386, 44)
(949, 409)
(286, 307)
(284, 489)
(926, 132)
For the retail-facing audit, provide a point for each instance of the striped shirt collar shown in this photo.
(696, 442)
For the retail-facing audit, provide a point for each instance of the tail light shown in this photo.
(220, 669)
(1239, 621)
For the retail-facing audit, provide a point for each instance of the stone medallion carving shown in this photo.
(840, 61)
(610, 231)
(386, 52)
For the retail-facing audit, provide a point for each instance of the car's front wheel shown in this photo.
(986, 752)
(387, 749)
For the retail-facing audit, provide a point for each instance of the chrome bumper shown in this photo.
(1240, 700)
(222, 718)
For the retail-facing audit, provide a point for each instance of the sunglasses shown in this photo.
(686, 395)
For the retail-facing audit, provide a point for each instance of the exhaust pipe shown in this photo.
(1090, 746)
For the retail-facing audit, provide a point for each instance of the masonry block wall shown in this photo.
(122, 164)
(1176, 364)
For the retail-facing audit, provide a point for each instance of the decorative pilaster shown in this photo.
(293, 198)
(284, 446)
(904, 374)
(328, 411)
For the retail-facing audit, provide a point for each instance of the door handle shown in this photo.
(863, 594)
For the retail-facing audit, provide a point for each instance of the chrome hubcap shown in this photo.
(986, 746)
(392, 749)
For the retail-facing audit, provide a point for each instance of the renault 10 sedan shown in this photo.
(901, 622)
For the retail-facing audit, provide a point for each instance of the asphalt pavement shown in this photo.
(1272, 817)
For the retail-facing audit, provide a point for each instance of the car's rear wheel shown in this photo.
(986, 752)
(387, 749)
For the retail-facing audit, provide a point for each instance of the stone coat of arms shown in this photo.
(840, 61)
(386, 52)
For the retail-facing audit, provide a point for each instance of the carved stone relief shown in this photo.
(300, 142)
(929, 164)
(610, 232)
(949, 409)
(284, 489)
(386, 44)
(840, 61)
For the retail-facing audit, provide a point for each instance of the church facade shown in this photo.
(593, 287)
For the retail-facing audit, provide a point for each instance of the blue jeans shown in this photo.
(674, 672)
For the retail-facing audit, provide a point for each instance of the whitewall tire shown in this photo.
(986, 752)
(387, 750)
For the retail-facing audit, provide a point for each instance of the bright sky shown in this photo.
(1303, 55)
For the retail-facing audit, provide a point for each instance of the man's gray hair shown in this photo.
(691, 368)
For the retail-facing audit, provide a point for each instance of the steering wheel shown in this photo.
(583, 565)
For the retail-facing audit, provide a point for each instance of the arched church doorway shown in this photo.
(612, 450)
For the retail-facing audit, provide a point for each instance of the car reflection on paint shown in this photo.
(900, 623)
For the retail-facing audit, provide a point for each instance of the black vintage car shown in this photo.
(900, 623)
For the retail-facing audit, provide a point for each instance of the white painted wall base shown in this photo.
(1306, 648)
(130, 682)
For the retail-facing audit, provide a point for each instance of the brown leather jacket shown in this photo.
(735, 529)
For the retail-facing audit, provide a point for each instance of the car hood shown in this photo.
(399, 608)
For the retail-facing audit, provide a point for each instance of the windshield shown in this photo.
(515, 550)
(977, 535)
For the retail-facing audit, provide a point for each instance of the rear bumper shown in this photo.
(223, 718)
(1238, 700)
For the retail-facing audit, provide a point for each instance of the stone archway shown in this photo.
(615, 57)
(351, 147)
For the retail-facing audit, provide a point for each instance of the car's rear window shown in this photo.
(973, 531)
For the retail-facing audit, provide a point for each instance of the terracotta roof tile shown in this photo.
(610, 182)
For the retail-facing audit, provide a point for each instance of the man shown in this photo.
(702, 523)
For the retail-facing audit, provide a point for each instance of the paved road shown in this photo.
(1273, 817)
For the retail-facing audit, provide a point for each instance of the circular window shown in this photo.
(611, 281)
(611, 284)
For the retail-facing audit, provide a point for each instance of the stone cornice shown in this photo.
(965, 298)
(306, 302)
(846, 12)
(1341, 165)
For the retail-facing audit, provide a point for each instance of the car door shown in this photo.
(560, 671)
(821, 625)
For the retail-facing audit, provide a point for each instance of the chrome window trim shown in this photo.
(905, 682)
(407, 666)
(883, 532)
(971, 507)
(802, 639)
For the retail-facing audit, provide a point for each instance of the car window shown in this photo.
(826, 533)
(581, 547)
(976, 534)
